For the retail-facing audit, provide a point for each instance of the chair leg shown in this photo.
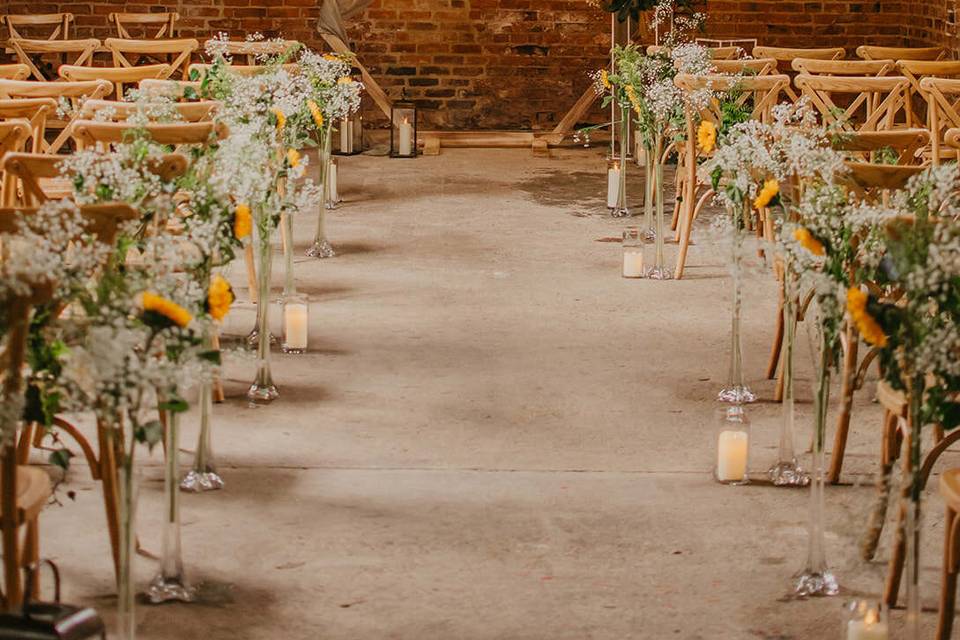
(777, 346)
(31, 552)
(898, 553)
(848, 385)
(948, 584)
(218, 395)
(677, 206)
(111, 497)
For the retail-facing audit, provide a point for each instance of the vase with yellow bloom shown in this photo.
(321, 247)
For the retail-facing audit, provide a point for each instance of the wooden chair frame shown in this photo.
(239, 69)
(166, 23)
(117, 76)
(15, 71)
(14, 133)
(84, 50)
(950, 492)
(90, 132)
(189, 111)
(815, 67)
(752, 66)
(59, 21)
(36, 111)
(175, 52)
(917, 70)
(869, 52)
(75, 92)
(786, 55)
(251, 50)
(943, 109)
(881, 99)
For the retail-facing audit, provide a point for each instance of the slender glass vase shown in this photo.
(263, 391)
(787, 472)
(289, 282)
(261, 244)
(621, 210)
(321, 246)
(170, 583)
(203, 475)
(736, 391)
(649, 233)
(128, 490)
(816, 579)
(912, 522)
(659, 271)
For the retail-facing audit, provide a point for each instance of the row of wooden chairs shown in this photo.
(57, 25)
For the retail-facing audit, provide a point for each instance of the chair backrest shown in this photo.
(165, 24)
(868, 144)
(748, 66)
(119, 76)
(952, 139)
(173, 89)
(14, 71)
(76, 52)
(175, 52)
(817, 67)
(89, 132)
(58, 23)
(35, 111)
(72, 92)
(915, 71)
(239, 69)
(188, 111)
(765, 91)
(13, 136)
(251, 51)
(717, 53)
(869, 52)
(943, 108)
(873, 103)
(870, 182)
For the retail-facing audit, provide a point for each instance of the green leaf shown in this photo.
(210, 356)
(61, 458)
(150, 433)
(175, 404)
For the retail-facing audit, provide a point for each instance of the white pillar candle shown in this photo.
(334, 194)
(295, 327)
(406, 137)
(732, 456)
(345, 138)
(613, 186)
(633, 263)
(870, 628)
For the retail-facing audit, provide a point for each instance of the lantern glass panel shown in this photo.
(403, 130)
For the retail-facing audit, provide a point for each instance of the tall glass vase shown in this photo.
(912, 521)
(263, 391)
(321, 246)
(786, 471)
(621, 210)
(128, 490)
(170, 583)
(816, 579)
(659, 270)
(289, 283)
(203, 475)
(736, 391)
(649, 233)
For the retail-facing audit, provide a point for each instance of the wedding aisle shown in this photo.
(493, 436)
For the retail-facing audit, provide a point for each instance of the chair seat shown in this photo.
(950, 488)
(33, 491)
(892, 400)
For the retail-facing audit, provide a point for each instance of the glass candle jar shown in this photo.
(296, 323)
(733, 446)
(865, 621)
(633, 265)
(613, 183)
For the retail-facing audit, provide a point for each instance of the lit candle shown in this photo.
(334, 195)
(613, 185)
(871, 627)
(295, 327)
(406, 137)
(633, 264)
(639, 151)
(732, 456)
(345, 138)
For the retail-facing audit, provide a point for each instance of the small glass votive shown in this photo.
(633, 265)
(733, 446)
(613, 184)
(296, 323)
(865, 621)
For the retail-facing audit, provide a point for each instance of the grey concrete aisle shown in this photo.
(494, 436)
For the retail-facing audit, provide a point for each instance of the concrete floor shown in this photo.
(494, 436)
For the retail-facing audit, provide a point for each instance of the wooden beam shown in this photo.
(379, 95)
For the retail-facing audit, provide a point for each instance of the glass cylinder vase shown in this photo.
(659, 271)
(649, 183)
(170, 583)
(736, 391)
(633, 258)
(321, 247)
(296, 323)
(203, 475)
(263, 391)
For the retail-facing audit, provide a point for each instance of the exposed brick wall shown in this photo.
(517, 63)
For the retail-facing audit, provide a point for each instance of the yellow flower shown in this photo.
(345, 80)
(242, 221)
(808, 242)
(707, 136)
(281, 119)
(605, 79)
(166, 308)
(330, 57)
(632, 97)
(769, 191)
(293, 157)
(866, 324)
(219, 297)
(316, 113)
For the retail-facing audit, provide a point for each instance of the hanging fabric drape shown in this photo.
(334, 12)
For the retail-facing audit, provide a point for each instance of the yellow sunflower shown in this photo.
(345, 80)
(808, 242)
(242, 221)
(707, 136)
(769, 191)
(605, 79)
(166, 308)
(281, 119)
(219, 297)
(866, 324)
(632, 97)
(293, 157)
(316, 113)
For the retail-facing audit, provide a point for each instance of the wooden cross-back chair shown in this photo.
(36, 111)
(75, 52)
(14, 133)
(716, 53)
(817, 67)
(164, 24)
(132, 53)
(90, 132)
(253, 51)
(57, 23)
(119, 111)
(870, 103)
(786, 55)
(869, 52)
(119, 77)
(15, 71)
(24, 490)
(951, 139)
(866, 146)
(173, 89)
(73, 92)
(943, 110)
(239, 69)
(765, 93)
(746, 66)
(915, 71)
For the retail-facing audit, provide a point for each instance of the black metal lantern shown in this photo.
(403, 130)
(348, 141)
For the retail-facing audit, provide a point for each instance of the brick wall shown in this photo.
(518, 63)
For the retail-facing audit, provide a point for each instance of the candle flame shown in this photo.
(871, 618)
(406, 121)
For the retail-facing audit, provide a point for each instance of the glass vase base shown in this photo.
(660, 273)
(788, 474)
(170, 589)
(815, 584)
(737, 394)
(201, 481)
(253, 339)
(293, 350)
(649, 235)
(619, 212)
(331, 205)
(321, 249)
(262, 393)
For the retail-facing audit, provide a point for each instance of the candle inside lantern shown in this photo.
(870, 627)
(732, 448)
(406, 137)
(613, 185)
(295, 326)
